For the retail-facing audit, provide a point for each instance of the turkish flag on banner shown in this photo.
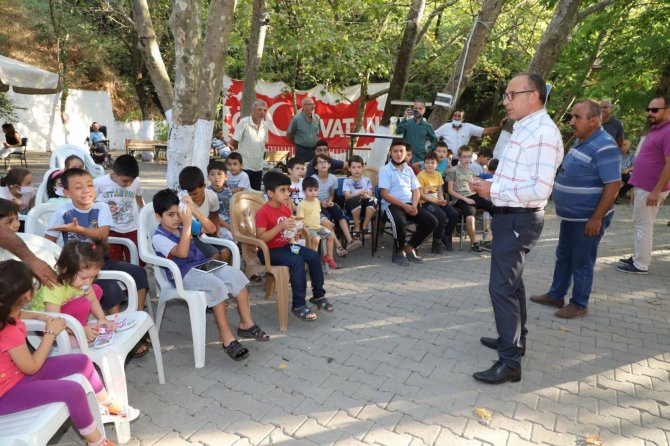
(336, 110)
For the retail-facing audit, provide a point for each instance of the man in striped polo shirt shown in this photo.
(584, 192)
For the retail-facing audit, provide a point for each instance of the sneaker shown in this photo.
(626, 260)
(631, 269)
(475, 247)
(412, 257)
(570, 311)
(400, 259)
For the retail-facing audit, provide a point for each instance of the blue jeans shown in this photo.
(296, 267)
(576, 255)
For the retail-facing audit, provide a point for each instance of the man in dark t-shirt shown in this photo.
(611, 124)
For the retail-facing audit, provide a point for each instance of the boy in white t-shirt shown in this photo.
(238, 180)
(204, 205)
(122, 191)
(296, 171)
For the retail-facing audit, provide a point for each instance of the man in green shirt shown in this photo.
(415, 130)
(303, 131)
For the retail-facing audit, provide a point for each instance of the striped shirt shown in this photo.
(528, 164)
(586, 169)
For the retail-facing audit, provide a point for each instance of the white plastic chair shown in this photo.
(196, 300)
(63, 151)
(37, 222)
(111, 358)
(36, 426)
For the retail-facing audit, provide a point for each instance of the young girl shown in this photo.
(78, 266)
(74, 162)
(55, 187)
(9, 215)
(330, 210)
(17, 186)
(31, 379)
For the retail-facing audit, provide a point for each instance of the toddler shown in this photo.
(216, 174)
(309, 210)
(296, 172)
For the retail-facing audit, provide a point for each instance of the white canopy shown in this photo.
(27, 79)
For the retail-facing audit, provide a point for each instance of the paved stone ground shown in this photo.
(393, 364)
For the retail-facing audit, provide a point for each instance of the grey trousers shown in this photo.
(514, 235)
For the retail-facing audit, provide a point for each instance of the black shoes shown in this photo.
(493, 344)
(498, 374)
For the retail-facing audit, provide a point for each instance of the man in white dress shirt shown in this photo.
(458, 133)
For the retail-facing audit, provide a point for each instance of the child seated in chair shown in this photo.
(296, 171)
(17, 186)
(173, 240)
(327, 187)
(359, 194)
(9, 215)
(54, 188)
(467, 202)
(74, 162)
(238, 179)
(309, 210)
(275, 227)
(216, 174)
(204, 204)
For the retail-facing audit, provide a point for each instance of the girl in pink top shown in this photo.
(30, 380)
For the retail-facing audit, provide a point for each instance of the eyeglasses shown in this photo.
(655, 109)
(512, 94)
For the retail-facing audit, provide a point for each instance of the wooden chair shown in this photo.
(243, 206)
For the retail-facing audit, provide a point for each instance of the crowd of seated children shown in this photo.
(216, 174)
(336, 166)
(432, 200)
(296, 172)
(400, 192)
(85, 219)
(467, 202)
(359, 194)
(238, 179)
(327, 188)
(481, 163)
(77, 267)
(32, 378)
(122, 191)
(17, 186)
(9, 215)
(309, 210)
(204, 204)
(277, 229)
(173, 240)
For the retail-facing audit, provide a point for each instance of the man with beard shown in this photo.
(651, 183)
(519, 191)
(585, 189)
(415, 131)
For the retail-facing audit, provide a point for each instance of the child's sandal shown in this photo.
(127, 413)
(322, 304)
(356, 235)
(341, 251)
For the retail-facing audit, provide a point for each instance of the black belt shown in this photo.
(513, 210)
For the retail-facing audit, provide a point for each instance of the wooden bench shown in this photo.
(142, 145)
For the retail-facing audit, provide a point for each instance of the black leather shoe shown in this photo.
(493, 343)
(498, 374)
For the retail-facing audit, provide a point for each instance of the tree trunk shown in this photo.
(254, 53)
(152, 56)
(462, 75)
(663, 88)
(404, 59)
(555, 37)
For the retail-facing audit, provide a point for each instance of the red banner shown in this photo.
(338, 116)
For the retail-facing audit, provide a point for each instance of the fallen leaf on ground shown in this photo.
(564, 328)
(283, 366)
(483, 414)
(593, 440)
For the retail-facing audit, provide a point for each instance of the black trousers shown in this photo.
(305, 153)
(514, 235)
(255, 178)
(447, 218)
(424, 220)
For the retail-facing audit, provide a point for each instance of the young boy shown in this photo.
(219, 145)
(216, 174)
(9, 215)
(359, 194)
(172, 240)
(276, 228)
(482, 161)
(238, 180)
(122, 191)
(204, 205)
(432, 200)
(467, 202)
(400, 192)
(443, 162)
(310, 211)
(416, 167)
(327, 187)
(296, 172)
(89, 220)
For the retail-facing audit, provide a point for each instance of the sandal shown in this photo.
(127, 413)
(356, 235)
(341, 251)
(253, 332)
(322, 304)
(354, 245)
(304, 313)
(141, 349)
(235, 350)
